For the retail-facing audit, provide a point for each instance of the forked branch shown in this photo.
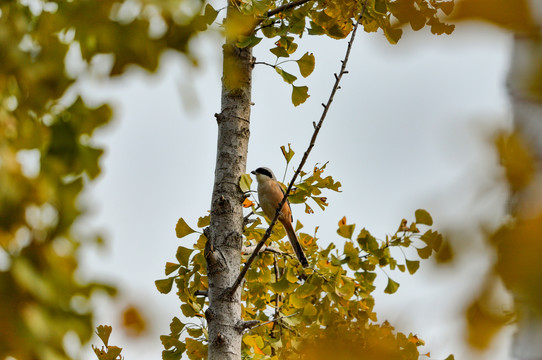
(317, 128)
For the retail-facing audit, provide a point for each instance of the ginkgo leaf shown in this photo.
(345, 230)
(204, 221)
(182, 229)
(380, 7)
(248, 41)
(194, 332)
(423, 217)
(176, 326)
(412, 266)
(103, 332)
(289, 78)
(183, 254)
(113, 352)
(287, 154)
(306, 64)
(425, 252)
(391, 287)
(300, 94)
(245, 182)
(171, 267)
(279, 52)
(164, 285)
(210, 14)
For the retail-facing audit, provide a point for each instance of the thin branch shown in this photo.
(273, 320)
(264, 63)
(305, 155)
(285, 7)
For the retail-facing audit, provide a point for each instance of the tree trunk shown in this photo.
(223, 250)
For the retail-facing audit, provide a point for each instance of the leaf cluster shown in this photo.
(333, 296)
(335, 19)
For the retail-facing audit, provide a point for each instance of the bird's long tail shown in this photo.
(296, 245)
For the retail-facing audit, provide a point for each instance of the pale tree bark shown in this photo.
(223, 250)
(526, 64)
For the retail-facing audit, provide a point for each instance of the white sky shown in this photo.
(409, 129)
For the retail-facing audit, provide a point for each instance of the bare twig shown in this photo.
(201, 293)
(250, 250)
(285, 7)
(338, 78)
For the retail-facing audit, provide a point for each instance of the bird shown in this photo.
(270, 194)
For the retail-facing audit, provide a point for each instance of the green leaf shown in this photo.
(425, 252)
(279, 52)
(450, 357)
(175, 354)
(289, 78)
(245, 182)
(103, 332)
(287, 154)
(176, 326)
(380, 7)
(412, 266)
(171, 267)
(210, 14)
(248, 41)
(306, 64)
(392, 287)
(423, 217)
(195, 333)
(164, 285)
(182, 229)
(183, 254)
(187, 310)
(300, 94)
(346, 231)
(283, 286)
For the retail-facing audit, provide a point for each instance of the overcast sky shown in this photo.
(409, 129)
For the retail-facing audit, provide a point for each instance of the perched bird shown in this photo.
(270, 194)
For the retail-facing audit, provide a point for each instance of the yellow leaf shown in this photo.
(182, 229)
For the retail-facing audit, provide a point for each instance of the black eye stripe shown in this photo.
(264, 171)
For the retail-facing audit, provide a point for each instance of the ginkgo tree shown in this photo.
(267, 308)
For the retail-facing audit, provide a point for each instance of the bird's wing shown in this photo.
(287, 201)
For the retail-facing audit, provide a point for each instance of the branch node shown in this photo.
(243, 325)
(219, 118)
(324, 105)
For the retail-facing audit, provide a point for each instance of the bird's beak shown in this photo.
(253, 172)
